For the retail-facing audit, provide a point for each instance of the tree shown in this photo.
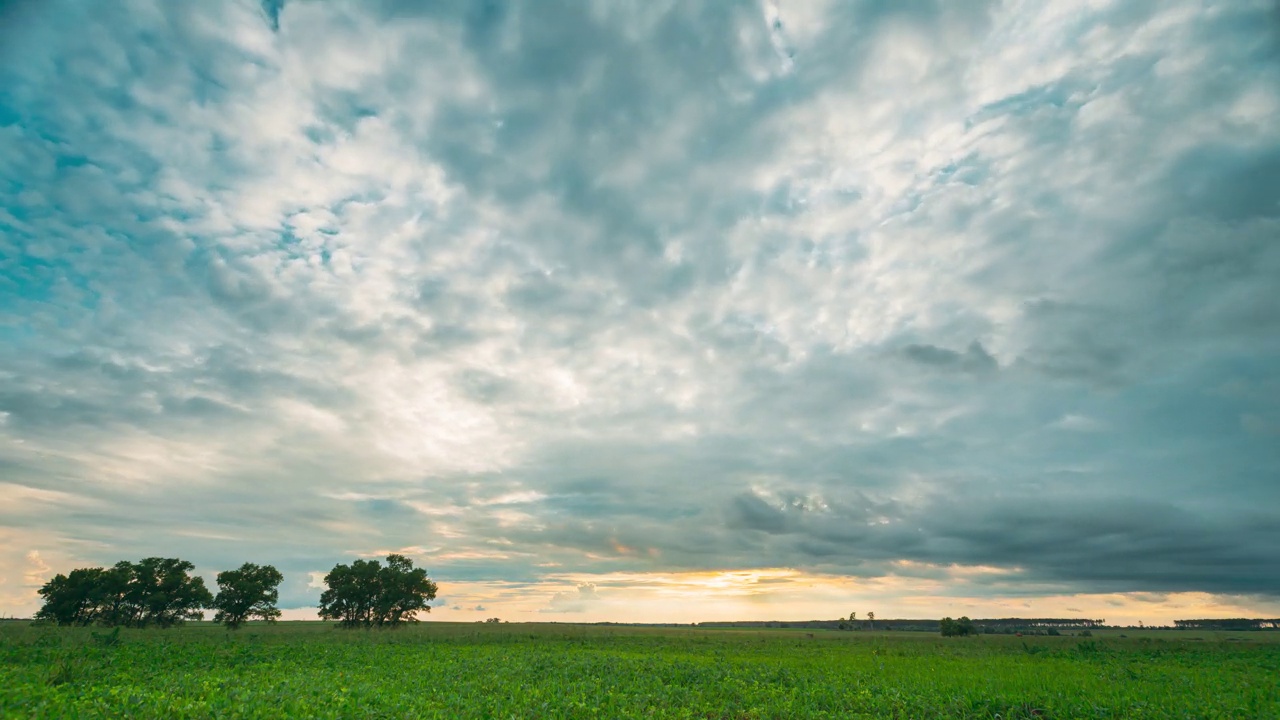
(365, 594)
(352, 593)
(163, 592)
(72, 599)
(405, 591)
(153, 591)
(956, 628)
(853, 616)
(871, 618)
(248, 593)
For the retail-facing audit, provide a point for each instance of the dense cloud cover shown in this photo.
(540, 292)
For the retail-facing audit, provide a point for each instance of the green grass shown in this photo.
(450, 670)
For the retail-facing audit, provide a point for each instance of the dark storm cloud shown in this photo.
(974, 359)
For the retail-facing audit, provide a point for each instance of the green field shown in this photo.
(450, 670)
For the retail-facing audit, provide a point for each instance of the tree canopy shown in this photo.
(247, 593)
(368, 594)
(957, 628)
(151, 592)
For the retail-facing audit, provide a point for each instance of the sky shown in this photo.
(650, 311)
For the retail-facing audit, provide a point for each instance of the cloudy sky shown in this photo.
(650, 310)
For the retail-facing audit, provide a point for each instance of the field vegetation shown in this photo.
(500, 670)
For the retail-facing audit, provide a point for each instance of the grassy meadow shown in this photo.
(454, 670)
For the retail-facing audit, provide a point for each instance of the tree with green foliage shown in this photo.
(957, 628)
(405, 591)
(154, 591)
(73, 599)
(367, 594)
(165, 594)
(110, 594)
(351, 593)
(247, 593)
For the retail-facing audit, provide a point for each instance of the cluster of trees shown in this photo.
(957, 628)
(162, 592)
(368, 594)
(154, 591)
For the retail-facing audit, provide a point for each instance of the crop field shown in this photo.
(449, 670)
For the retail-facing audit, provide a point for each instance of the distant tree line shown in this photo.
(1043, 626)
(1229, 624)
(994, 626)
(162, 592)
(1059, 623)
